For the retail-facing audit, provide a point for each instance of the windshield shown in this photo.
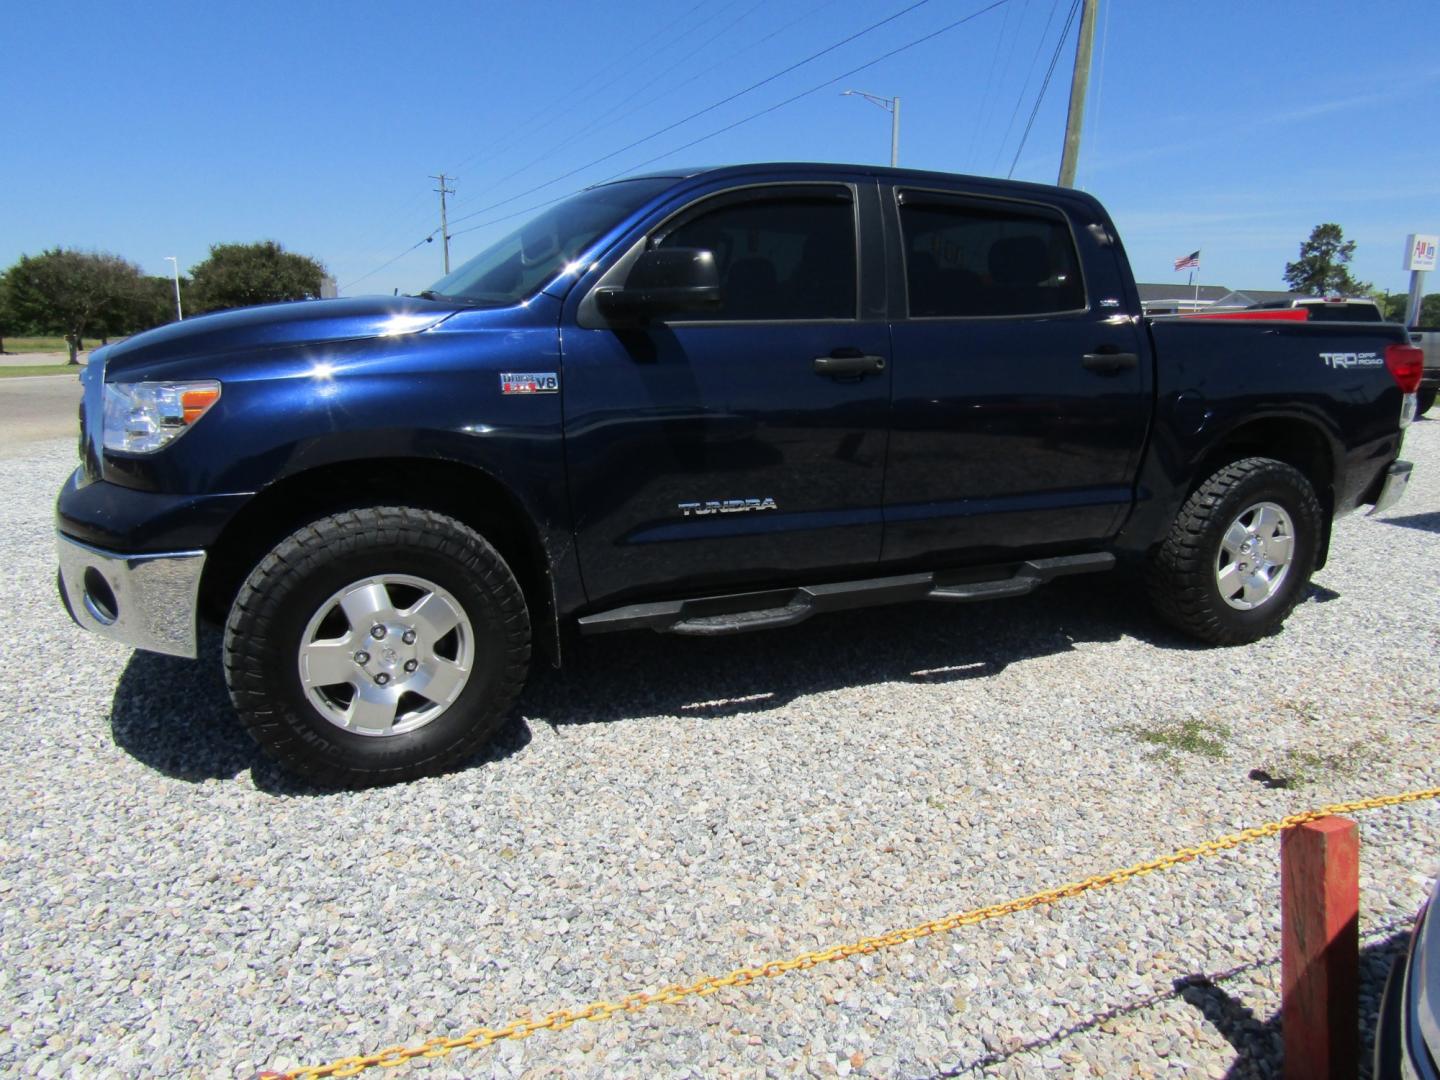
(517, 265)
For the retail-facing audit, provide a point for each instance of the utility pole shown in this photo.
(444, 228)
(175, 266)
(895, 132)
(1079, 82)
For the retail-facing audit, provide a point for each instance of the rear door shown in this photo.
(714, 451)
(1021, 387)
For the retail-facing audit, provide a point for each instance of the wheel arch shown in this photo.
(465, 492)
(1298, 442)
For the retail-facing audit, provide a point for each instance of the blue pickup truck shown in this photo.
(699, 403)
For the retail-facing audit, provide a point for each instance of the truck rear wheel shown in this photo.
(1425, 400)
(377, 645)
(1239, 555)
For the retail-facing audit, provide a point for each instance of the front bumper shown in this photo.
(146, 601)
(1397, 476)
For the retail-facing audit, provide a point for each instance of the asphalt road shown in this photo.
(35, 408)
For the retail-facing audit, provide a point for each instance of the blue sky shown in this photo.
(159, 129)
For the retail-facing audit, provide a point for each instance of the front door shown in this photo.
(710, 452)
(1021, 389)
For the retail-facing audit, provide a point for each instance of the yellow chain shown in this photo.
(479, 1038)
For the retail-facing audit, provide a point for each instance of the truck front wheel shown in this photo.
(1239, 555)
(377, 645)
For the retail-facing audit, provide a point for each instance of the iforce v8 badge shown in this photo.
(530, 382)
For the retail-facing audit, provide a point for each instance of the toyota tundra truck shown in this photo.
(700, 402)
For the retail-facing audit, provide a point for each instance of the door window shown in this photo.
(780, 257)
(966, 259)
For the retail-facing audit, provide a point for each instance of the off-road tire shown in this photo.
(1180, 574)
(270, 613)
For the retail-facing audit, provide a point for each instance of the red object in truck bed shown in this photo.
(1262, 314)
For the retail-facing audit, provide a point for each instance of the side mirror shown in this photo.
(664, 280)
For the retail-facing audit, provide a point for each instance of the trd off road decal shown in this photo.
(530, 382)
(1351, 359)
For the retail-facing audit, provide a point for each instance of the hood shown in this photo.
(277, 325)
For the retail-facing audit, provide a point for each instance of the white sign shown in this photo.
(1420, 252)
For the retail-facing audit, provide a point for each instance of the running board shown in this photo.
(772, 608)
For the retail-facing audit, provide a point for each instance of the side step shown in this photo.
(771, 608)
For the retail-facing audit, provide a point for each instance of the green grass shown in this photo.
(1300, 766)
(1188, 736)
(18, 345)
(17, 370)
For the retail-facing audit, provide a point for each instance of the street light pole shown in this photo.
(890, 105)
(175, 266)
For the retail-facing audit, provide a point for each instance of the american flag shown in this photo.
(1189, 262)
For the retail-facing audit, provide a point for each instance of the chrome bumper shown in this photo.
(1396, 477)
(145, 601)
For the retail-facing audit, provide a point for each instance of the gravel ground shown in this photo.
(170, 904)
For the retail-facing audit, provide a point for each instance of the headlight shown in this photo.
(140, 418)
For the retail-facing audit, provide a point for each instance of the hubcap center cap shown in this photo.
(390, 658)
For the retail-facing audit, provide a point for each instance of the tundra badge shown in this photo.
(725, 506)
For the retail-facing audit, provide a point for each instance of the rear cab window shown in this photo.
(969, 257)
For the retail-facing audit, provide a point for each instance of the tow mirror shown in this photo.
(662, 281)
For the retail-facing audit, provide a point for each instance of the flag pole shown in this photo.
(1197, 288)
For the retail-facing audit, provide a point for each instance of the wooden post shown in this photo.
(1320, 949)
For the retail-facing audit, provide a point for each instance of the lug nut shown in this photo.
(382, 678)
(408, 637)
(377, 631)
(362, 657)
(411, 665)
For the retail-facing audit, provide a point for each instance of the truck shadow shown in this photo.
(175, 715)
(609, 678)
(1257, 1043)
(1429, 522)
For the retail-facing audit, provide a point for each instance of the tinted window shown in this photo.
(964, 259)
(1343, 312)
(779, 258)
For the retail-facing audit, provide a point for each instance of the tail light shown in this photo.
(1406, 364)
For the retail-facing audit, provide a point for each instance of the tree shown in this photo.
(238, 275)
(1321, 269)
(1395, 304)
(8, 322)
(150, 303)
(63, 291)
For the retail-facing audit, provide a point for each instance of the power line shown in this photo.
(593, 124)
(718, 131)
(1054, 58)
(707, 109)
(388, 262)
(818, 87)
(1020, 97)
(724, 62)
(625, 60)
(762, 112)
(981, 116)
(505, 141)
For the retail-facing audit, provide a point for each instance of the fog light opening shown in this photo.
(99, 597)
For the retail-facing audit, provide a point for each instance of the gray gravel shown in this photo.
(170, 904)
